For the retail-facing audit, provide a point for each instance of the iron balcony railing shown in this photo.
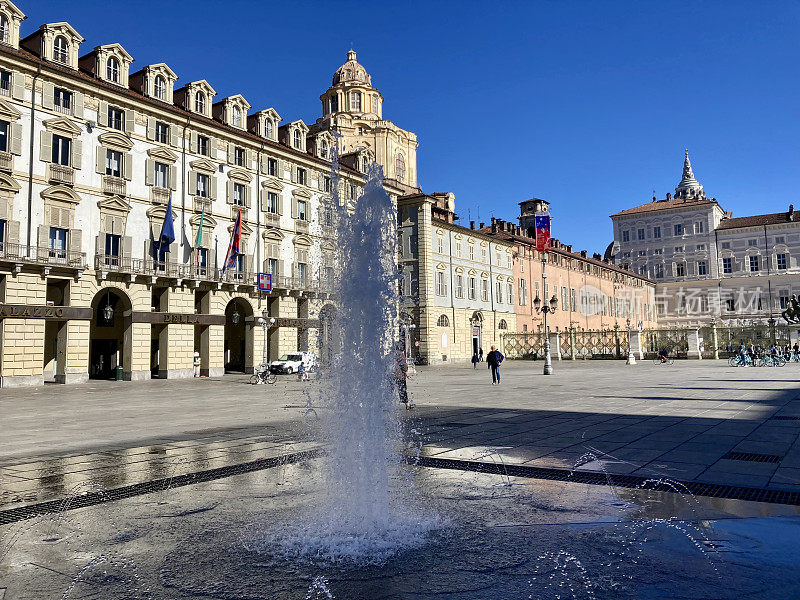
(58, 257)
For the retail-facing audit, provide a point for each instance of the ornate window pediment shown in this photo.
(328, 247)
(62, 126)
(441, 266)
(8, 185)
(302, 240)
(204, 166)
(265, 123)
(472, 272)
(240, 175)
(273, 235)
(272, 184)
(116, 140)
(156, 81)
(208, 221)
(158, 212)
(163, 155)
(61, 193)
(196, 97)
(246, 229)
(115, 204)
(8, 112)
(301, 193)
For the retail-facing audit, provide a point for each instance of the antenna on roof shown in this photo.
(478, 217)
(469, 214)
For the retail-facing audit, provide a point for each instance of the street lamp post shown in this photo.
(631, 359)
(266, 323)
(546, 308)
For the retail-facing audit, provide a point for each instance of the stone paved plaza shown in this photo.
(674, 421)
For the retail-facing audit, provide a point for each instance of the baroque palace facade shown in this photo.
(706, 263)
(91, 153)
(464, 288)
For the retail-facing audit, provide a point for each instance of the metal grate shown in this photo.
(695, 488)
(751, 457)
(785, 418)
(92, 498)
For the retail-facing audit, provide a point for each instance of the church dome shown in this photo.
(351, 71)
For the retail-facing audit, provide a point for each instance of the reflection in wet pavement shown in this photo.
(504, 538)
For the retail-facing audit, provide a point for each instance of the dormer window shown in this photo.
(61, 49)
(112, 69)
(160, 88)
(296, 140)
(355, 100)
(323, 149)
(5, 30)
(200, 103)
(269, 130)
(236, 117)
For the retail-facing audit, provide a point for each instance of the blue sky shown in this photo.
(586, 104)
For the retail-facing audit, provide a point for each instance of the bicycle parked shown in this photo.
(263, 375)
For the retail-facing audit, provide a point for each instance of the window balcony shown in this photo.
(301, 226)
(64, 110)
(58, 257)
(195, 271)
(115, 263)
(114, 185)
(6, 161)
(240, 277)
(159, 195)
(15, 252)
(60, 174)
(272, 219)
(201, 202)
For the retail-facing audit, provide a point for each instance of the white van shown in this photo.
(290, 363)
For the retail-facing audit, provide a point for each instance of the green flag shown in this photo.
(199, 239)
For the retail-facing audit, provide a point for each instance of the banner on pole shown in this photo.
(265, 282)
(542, 223)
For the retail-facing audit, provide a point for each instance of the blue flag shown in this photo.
(167, 232)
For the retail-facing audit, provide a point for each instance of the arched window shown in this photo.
(296, 140)
(4, 30)
(61, 49)
(200, 103)
(355, 100)
(400, 167)
(112, 69)
(269, 130)
(375, 104)
(160, 88)
(443, 321)
(323, 148)
(236, 117)
(502, 324)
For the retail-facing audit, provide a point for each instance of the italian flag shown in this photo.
(199, 239)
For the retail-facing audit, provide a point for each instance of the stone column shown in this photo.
(139, 351)
(693, 338)
(636, 344)
(212, 342)
(555, 346)
(572, 343)
(715, 340)
(76, 361)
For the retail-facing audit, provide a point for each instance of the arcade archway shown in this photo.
(238, 336)
(110, 334)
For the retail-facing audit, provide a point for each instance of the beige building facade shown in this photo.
(457, 283)
(92, 153)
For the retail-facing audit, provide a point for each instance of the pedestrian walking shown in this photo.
(475, 361)
(480, 354)
(401, 376)
(494, 359)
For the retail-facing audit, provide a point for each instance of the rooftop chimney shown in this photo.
(790, 215)
(472, 224)
(583, 253)
(482, 225)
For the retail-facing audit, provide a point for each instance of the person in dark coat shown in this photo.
(475, 361)
(494, 359)
(480, 354)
